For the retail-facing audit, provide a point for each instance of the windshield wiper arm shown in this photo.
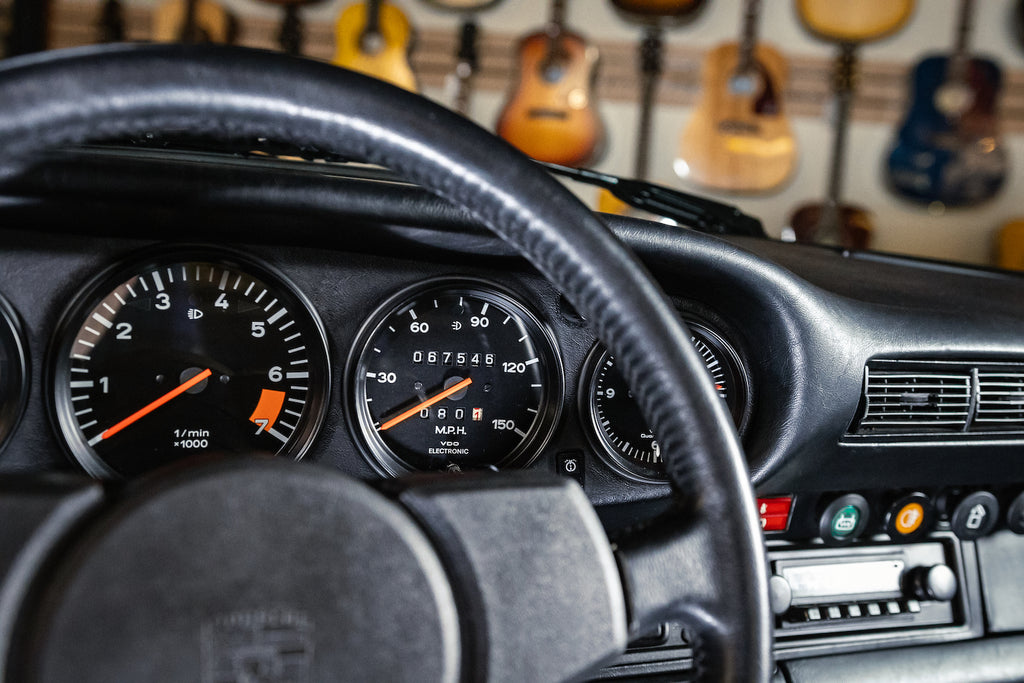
(699, 213)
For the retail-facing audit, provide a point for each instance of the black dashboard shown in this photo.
(836, 365)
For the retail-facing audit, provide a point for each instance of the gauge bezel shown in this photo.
(376, 452)
(13, 391)
(99, 286)
(737, 402)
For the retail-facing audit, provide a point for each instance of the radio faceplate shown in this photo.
(875, 593)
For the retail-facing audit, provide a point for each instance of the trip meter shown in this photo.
(454, 375)
(189, 352)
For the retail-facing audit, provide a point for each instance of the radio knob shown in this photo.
(937, 582)
(780, 594)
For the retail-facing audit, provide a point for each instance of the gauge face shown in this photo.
(621, 431)
(454, 375)
(13, 387)
(185, 354)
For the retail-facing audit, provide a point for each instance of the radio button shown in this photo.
(892, 607)
(853, 610)
(834, 612)
(873, 609)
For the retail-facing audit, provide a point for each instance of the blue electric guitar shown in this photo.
(948, 149)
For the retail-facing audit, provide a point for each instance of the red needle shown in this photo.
(453, 389)
(143, 412)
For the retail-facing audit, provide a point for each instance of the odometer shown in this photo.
(454, 375)
(187, 353)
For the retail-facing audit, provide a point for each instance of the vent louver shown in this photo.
(906, 402)
(1000, 401)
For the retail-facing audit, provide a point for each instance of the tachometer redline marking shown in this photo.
(453, 389)
(143, 412)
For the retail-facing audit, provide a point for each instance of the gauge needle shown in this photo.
(143, 412)
(453, 389)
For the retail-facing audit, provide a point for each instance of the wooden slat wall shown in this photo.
(881, 96)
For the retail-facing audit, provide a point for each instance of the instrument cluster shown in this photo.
(181, 352)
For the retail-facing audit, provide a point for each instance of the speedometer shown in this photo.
(454, 375)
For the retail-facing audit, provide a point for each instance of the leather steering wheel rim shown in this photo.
(704, 562)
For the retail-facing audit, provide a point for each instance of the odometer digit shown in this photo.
(454, 375)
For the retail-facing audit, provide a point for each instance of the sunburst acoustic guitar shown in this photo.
(551, 115)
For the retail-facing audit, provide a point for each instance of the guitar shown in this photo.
(832, 222)
(192, 21)
(738, 139)
(947, 148)
(291, 33)
(374, 37)
(659, 10)
(550, 114)
(651, 52)
(459, 84)
(854, 21)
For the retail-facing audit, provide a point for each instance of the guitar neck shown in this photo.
(466, 66)
(557, 17)
(843, 83)
(189, 31)
(371, 30)
(961, 42)
(650, 71)
(748, 37)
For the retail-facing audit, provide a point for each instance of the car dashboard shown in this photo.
(879, 399)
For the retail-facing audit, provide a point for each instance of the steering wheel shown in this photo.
(265, 571)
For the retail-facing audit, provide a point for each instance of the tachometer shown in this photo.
(620, 431)
(454, 375)
(186, 353)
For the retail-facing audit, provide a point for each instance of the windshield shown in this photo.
(904, 143)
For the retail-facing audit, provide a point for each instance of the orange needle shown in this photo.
(143, 412)
(453, 389)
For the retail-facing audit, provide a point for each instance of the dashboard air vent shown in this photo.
(1000, 401)
(907, 402)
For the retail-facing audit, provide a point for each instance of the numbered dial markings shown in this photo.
(454, 376)
(182, 356)
(618, 428)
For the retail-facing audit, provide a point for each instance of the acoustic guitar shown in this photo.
(948, 148)
(650, 53)
(658, 11)
(854, 21)
(550, 114)
(831, 221)
(291, 34)
(374, 37)
(192, 21)
(738, 138)
(458, 84)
